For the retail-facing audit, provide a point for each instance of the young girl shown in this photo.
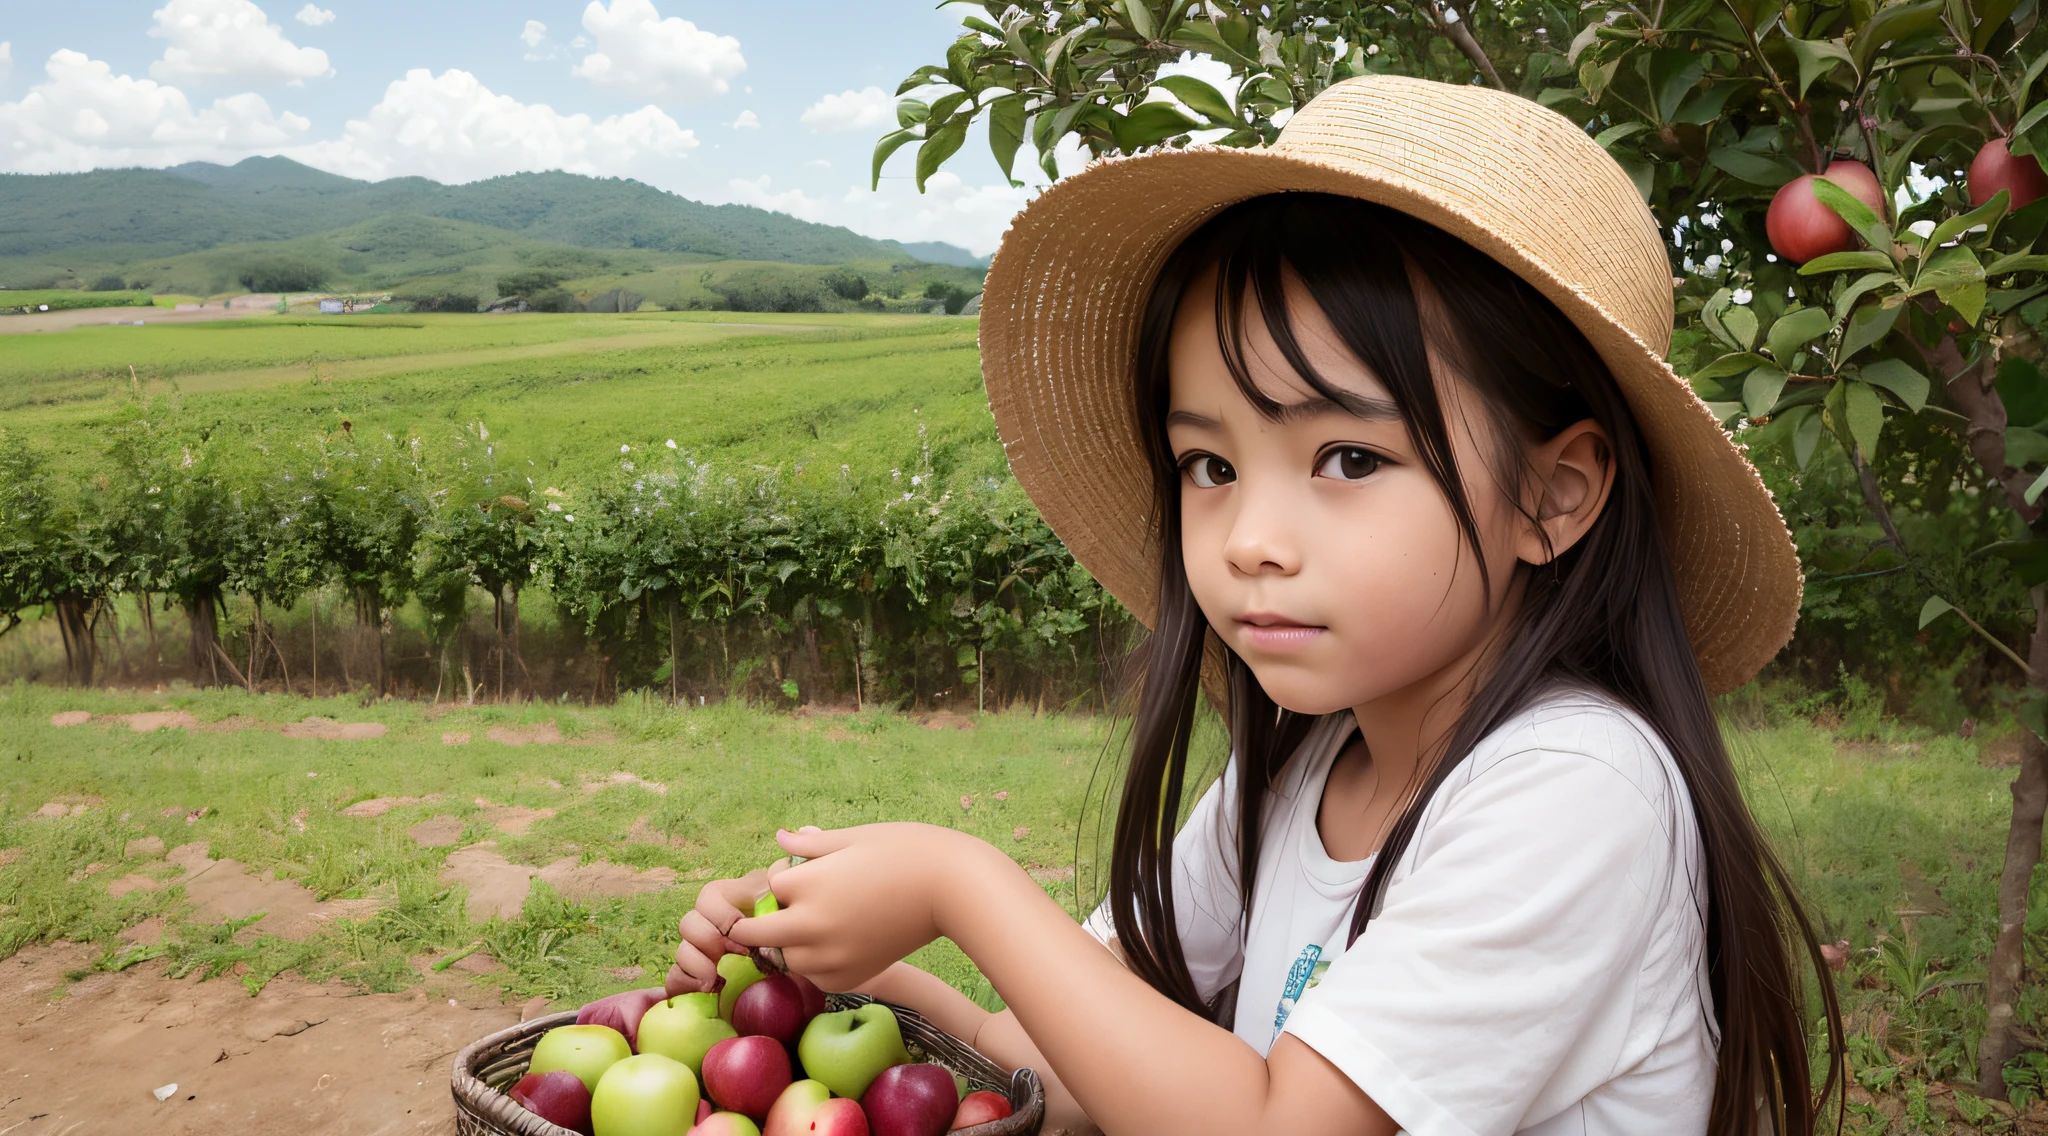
(1373, 429)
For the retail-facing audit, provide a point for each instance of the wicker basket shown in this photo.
(489, 1067)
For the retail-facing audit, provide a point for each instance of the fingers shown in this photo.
(811, 841)
(723, 902)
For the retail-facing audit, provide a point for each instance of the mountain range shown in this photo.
(113, 217)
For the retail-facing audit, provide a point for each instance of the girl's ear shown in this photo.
(1571, 475)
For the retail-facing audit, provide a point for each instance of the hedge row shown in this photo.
(678, 576)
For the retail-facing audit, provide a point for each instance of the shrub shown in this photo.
(441, 301)
(954, 295)
(528, 282)
(111, 282)
(283, 274)
(847, 285)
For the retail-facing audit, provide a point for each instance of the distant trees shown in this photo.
(284, 273)
(111, 282)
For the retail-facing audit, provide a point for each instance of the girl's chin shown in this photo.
(1304, 689)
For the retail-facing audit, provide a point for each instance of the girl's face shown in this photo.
(1319, 546)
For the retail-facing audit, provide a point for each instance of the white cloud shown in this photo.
(6, 59)
(452, 128)
(819, 163)
(973, 217)
(230, 41)
(535, 33)
(866, 109)
(313, 16)
(747, 120)
(83, 116)
(646, 56)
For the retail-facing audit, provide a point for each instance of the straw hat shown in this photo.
(1519, 182)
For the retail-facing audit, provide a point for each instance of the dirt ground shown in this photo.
(296, 1060)
(244, 307)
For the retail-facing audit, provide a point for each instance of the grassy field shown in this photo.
(1894, 834)
(561, 391)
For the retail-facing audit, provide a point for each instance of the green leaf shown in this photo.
(1893, 22)
(1736, 363)
(1862, 285)
(1199, 97)
(1988, 215)
(1006, 132)
(943, 143)
(1909, 385)
(1816, 58)
(1991, 15)
(1805, 434)
(1843, 261)
(2033, 492)
(1710, 315)
(1613, 134)
(2025, 447)
(1956, 279)
(2033, 117)
(1149, 124)
(1140, 15)
(1796, 328)
(1755, 169)
(1725, 412)
(2033, 74)
(1860, 218)
(2022, 261)
(1705, 106)
(1866, 417)
(1583, 40)
(1741, 325)
(1934, 609)
(1869, 324)
(1673, 73)
(912, 112)
(1761, 389)
(2029, 558)
(889, 144)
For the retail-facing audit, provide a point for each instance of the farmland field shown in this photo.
(562, 391)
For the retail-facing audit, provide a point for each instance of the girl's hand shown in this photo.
(703, 930)
(863, 898)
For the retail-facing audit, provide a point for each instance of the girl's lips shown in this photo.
(1270, 633)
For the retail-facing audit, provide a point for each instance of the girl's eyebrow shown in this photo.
(1356, 406)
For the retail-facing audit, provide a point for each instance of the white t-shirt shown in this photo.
(1537, 963)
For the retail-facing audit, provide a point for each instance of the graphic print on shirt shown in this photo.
(1302, 977)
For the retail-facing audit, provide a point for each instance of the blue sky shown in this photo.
(775, 104)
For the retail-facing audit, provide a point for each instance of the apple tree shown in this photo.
(1853, 200)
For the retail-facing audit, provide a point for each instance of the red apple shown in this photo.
(746, 1074)
(911, 1100)
(840, 1116)
(703, 1109)
(980, 1108)
(1995, 168)
(1801, 228)
(814, 998)
(621, 1012)
(777, 1007)
(807, 1108)
(558, 1097)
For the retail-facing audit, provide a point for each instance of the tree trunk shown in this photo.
(145, 608)
(2022, 855)
(74, 623)
(202, 614)
(1971, 390)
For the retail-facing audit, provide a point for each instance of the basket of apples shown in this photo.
(767, 1055)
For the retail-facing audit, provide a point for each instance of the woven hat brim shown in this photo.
(1059, 329)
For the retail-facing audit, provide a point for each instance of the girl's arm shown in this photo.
(1135, 1060)
(997, 1036)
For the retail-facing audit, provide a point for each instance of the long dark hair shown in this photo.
(1603, 614)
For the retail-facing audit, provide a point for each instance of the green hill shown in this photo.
(65, 222)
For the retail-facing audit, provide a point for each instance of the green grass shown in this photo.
(563, 392)
(65, 299)
(733, 774)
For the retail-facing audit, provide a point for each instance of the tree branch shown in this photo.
(1453, 28)
(1973, 395)
(1866, 479)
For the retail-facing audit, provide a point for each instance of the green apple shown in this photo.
(644, 1095)
(684, 1029)
(849, 1049)
(586, 1051)
(739, 973)
(766, 905)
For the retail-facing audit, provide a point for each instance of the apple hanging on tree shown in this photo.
(1801, 227)
(1996, 167)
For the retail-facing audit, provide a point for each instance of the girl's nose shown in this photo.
(1263, 538)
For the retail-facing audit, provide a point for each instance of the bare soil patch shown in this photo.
(378, 806)
(225, 889)
(437, 832)
(544, 734)
(512, 820)
(327, 729)
(603, 879)
(947, 720)
(499, 887)
(145, 848)
(297, 1059)
(598, 784)
(70, 718)
(452, 739)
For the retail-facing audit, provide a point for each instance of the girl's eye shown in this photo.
(1209, 471)
(1349, 463)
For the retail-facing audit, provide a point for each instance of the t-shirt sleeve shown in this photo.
(1206, 907)
(1498, 979)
